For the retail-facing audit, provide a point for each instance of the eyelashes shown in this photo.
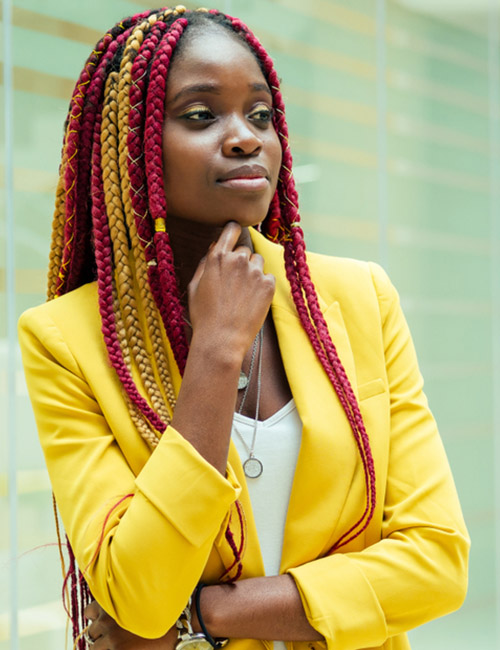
(260, 114)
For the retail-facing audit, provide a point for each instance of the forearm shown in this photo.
(256, 608)
(205, 407)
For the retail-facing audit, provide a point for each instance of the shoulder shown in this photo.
(349, 281)
(70, 321)
(73, 308)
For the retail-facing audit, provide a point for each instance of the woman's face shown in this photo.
(221, 153)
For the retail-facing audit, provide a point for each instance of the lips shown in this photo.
(244, 172)
(249, 178)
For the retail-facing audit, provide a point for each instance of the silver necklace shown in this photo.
(244, 379)
(252, 466)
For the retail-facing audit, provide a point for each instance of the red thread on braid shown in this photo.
(103, 254)
(171, 311)
(82, 248)
(79, 598)
(237, 552)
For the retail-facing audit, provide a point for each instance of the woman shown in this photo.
(332, 515)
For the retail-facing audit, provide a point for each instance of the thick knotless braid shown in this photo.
(284, 228)
(172, 310)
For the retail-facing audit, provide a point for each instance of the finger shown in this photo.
(245, 251)
(257, 260)
(228, 237)
(92, 610)
(198, 273)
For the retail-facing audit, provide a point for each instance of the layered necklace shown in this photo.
(252, 466)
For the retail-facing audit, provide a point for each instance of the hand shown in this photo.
(108, 635)
(230, 295)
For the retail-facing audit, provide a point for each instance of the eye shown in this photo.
(198, 114)
(262, 114)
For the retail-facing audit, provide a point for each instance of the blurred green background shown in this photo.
(394, 113)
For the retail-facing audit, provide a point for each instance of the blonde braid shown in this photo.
(57, 241)
(118, 230)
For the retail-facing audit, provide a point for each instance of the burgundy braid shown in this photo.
(172, 312)
(103, 255)
(137, 176)
(304, 293)
(147, 132)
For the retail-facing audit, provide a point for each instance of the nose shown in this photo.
(240, 139)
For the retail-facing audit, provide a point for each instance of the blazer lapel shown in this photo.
(328, 459)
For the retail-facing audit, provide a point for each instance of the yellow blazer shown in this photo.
(158, 519)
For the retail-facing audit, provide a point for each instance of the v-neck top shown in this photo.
(277, 445)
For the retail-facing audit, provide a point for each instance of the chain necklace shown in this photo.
(252, 466)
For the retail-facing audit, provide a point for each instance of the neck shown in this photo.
(190, 241)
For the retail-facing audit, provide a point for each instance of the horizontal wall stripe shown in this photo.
(32, 281)
(41, 83)
(398, 167)
(331, 151)
(402, 124)
(27, 481)
(365, 230)
(318, 56)
(446, 371)
(35, 620)
(439, 176)
(54, 26)
(449, 242)
(406, 40)
(334, 14)
(446, 306)
(438, 91)
(32, 180)
(398, 123)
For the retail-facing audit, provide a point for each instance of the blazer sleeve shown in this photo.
(418, 569)
(141, 541)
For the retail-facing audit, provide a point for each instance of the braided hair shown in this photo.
(110, 226)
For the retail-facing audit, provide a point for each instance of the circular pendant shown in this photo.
(252, 467)
(242, 381)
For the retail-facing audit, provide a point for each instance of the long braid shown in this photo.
(172, 311)
(304, 294)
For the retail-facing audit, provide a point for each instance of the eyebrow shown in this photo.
(215, 90)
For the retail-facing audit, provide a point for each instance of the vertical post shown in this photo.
(11, 319)
(494, 101)
(381, 99)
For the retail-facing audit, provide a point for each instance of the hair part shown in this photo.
(110, 226)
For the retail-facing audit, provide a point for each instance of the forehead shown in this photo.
(213, 52)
